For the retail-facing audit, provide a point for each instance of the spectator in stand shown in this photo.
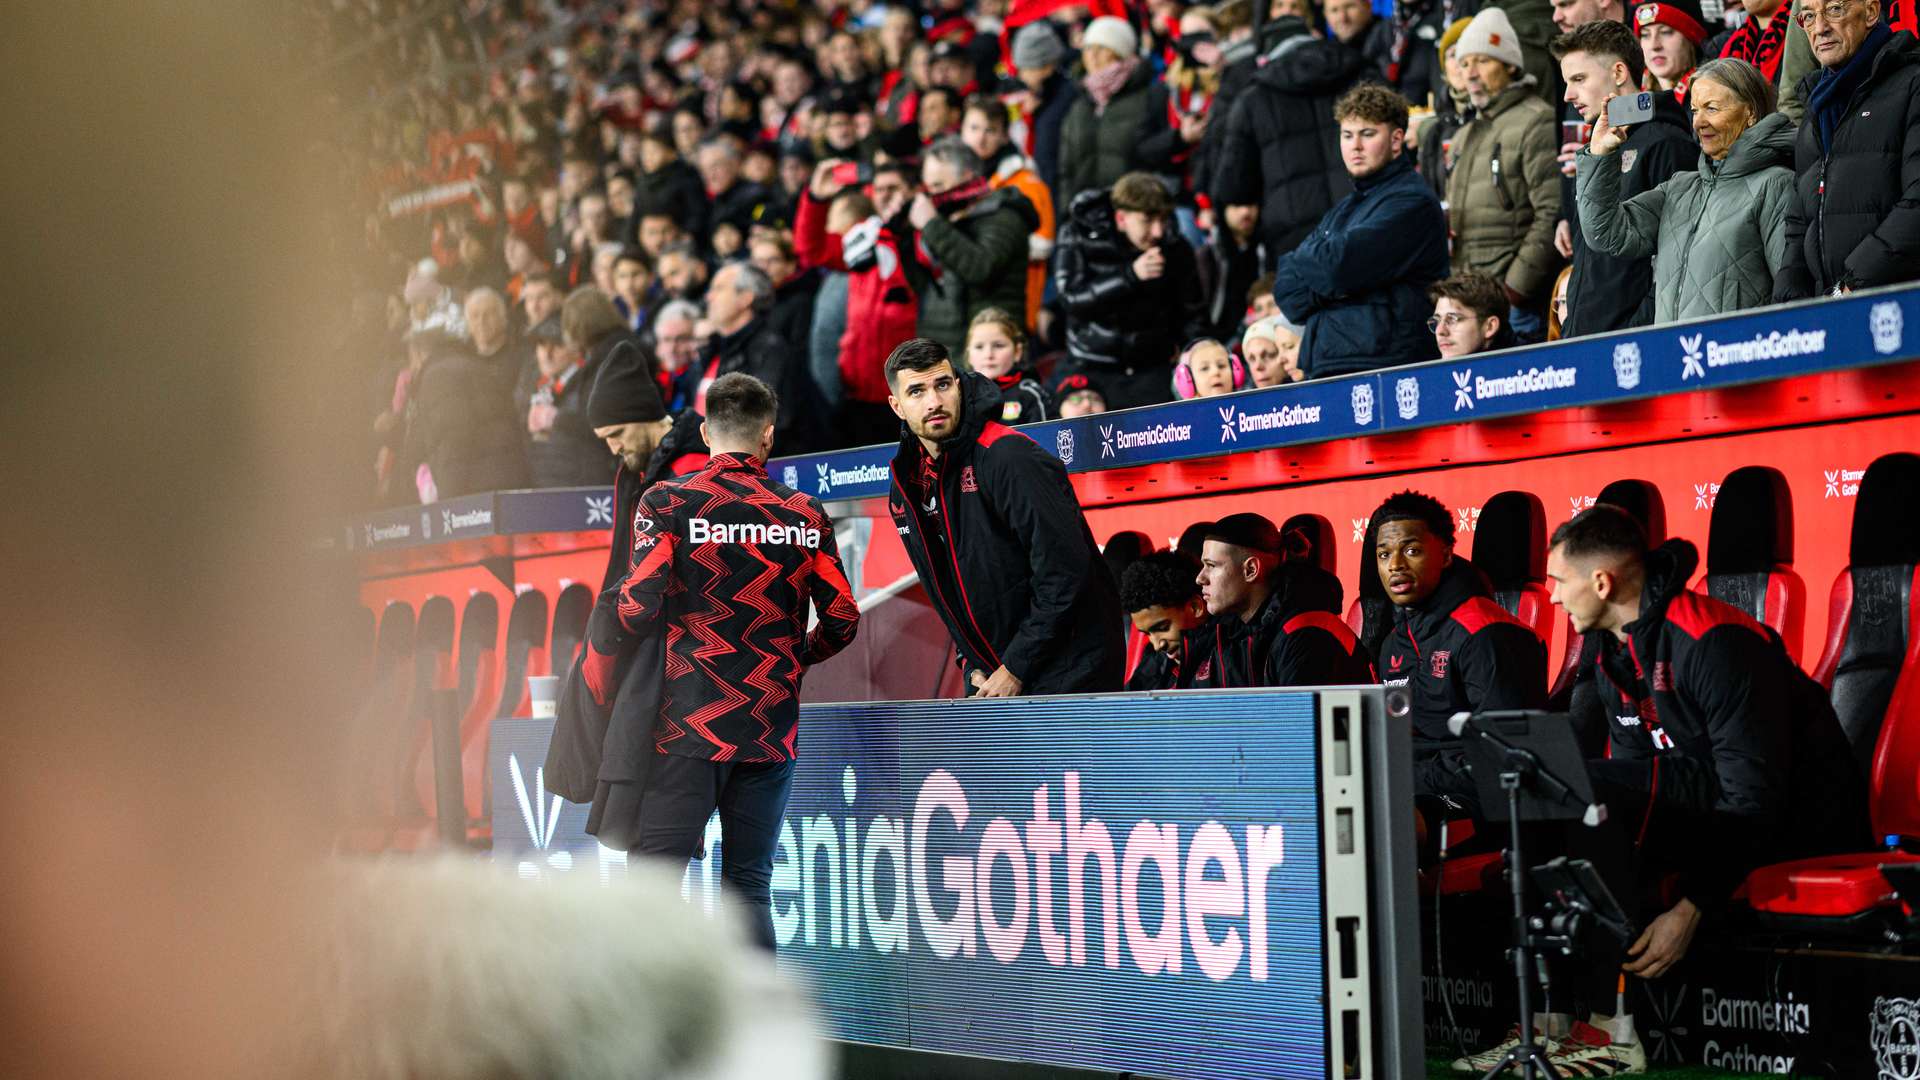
(658, 230)
(938, 116)
(966, 241)
(1207, 369)
(1351, 23)
(1599, 60)
(1358, 284)
(738, 303)
(1045, 96)
(562, 449)
(997, 348)
(1271, 348)
(1130, 289)
(1440, 131)
(847, 130)
(462, 437)
(620, 190)
(683, 273)
(1100, 137)
(1557, 311)
(997, 538)
(1417, 64)
(592, 324)
(733, 200)
(983, 127)
(1281, 148)
(1161, 596)
(1719, 237)
(881, 310)
(632, 284)
(539, 298)
(524, 261)
(1762, 39)
(1855, 222)
(1568, 16)
(1231, 264)
(1274, 620)
(492, 335)
(1076, 394)
(1468, 316)
(1670, 35)
(603, 259)
(793, 288)
(1503, 198)
(593, 233)
(1260, 301)
(1173, 140)
(676, 347)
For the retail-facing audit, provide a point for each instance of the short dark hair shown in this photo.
(1604, 529)
(1415, 506)
(1605, 38)
(1474, 291)
(947, 92)
(1143, 193)
(1159, 579)
(990, 107)
(1374, 104)
(739, 406)
(915, 354)
(635, 254)
(897, 168)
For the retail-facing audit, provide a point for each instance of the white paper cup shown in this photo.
(545, 693)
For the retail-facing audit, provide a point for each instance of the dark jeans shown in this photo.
(682, 793)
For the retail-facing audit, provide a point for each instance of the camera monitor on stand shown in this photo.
(1542, 747)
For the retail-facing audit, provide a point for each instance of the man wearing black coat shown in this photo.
(1597, 60)
(667, 185)
(994, 531)
(1131, 289)
(1280, 146)
(551, 400)
(739, 299)
(1359, 283)
(1856, 220)
(460, 422)
(1274, 620)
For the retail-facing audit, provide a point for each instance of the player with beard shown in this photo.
(994, 530)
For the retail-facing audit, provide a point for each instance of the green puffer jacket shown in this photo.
(981, 257)
(1503, 192)
(1717, 236)
(1096, 150)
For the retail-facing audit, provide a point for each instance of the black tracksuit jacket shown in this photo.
(1731, 744)
(1295, 639)
(1158, 671)
(1458, 651)
(1006, 556)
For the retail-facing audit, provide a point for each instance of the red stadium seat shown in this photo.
(1510, 547)
(1871, 666)
(1481, 872)
(1750, 553)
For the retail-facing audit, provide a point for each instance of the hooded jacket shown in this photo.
(1730, 740)
(1359, 283)
(1855, 220)
(1457, 651)
(1295, 639)
(676, 189)
(1614, 292)
(1503, 192)
(1718, 235)
(881, 307)
(1114, 318)
(1097, 149)
(1282, 145)
(976, 259)
(461, 424)
(1006, 557)
(756, 350)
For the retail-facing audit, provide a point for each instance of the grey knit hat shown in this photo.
(1036, 45)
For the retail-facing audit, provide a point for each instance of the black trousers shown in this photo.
(683, 792)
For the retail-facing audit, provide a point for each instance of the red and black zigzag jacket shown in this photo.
(728, 562)
(1729, 740)
(1295, 639)
(998, 539)
(1459, 651)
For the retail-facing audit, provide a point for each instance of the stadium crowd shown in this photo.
(1096, 205)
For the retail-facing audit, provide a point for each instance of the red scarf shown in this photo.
(555, 385)
(1762, 47)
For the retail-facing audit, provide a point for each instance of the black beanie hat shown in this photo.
(624, 391)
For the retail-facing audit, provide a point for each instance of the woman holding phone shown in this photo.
(1717, 236)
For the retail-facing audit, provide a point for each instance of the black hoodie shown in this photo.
(1732, 744)
(1459, 651)
(1296, 639)
(1281, 148)
(1005, 555)
(1613, 292)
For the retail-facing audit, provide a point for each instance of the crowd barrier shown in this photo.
(1194, 885)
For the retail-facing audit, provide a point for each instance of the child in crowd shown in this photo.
(1207, 369)
(997, 348)
(1260, 301)
(1076, 394)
